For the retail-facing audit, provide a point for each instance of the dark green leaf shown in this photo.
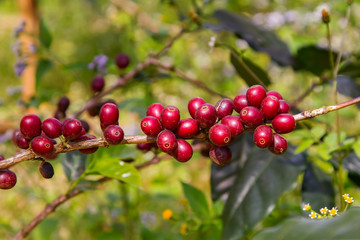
(45, 35)
(196, 199)
(249, 71)
(43, 66)
(73, 164)
(344, 226)
(351, 69)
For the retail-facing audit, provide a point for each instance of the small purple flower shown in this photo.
(19, 28)
(19, 67)
(99, 63)
(32, 48)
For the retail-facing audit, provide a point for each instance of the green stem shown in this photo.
(128, 219)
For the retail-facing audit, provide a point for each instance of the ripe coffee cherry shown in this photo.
(183, 152)
(170, 117)
(122, 60)
(220, 135)
(263, 136)
(84, 138)
(52, 127)
(206, 115)
(98, 83)
(284, 106)
(109, 114)
(279, 144)
(194, 104)
(224, 107)
(234, 124)
(254, 95)
(270, 107)
(187, 128)
(251, 116)
(166, 141)
(21, 142)
(85, 125)
(30, 126)
(240, 102)
(113, 134)
(71, 129)
(275, 94)
(220, 155)
(154, 110)
(151, 126)
(283, 123)
(46, 170)
(7, 179)
(42, 146)
(95, 109)
(63, 104)
(145, 147)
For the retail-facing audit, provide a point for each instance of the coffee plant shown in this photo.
(230, 99)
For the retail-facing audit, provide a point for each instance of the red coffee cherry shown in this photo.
(220, 135)
(84, 138)
(194, 104)
(270, 107)
(183, 152)
(151, 126)
(166, 141)
(220, 155)
(240, 102)
(98, 83)
(251, 116)
(283, 123)
(170, 117)
(254, 95)
(85, 125)
(52, 127)
(275, 94)
(30, 126)
(113, 134)
(279, 144)
(7, 179)
(187, 128)
(154, 110)
(42, 146)
(284, 107)
(63, 104)
(263, 136)
(234, 124)
(109, 114)
(122, 60)
(95, 109)
(144, 147)
(21, 142)
(206, 115)
(72, 129)
(46, 170)
(224, 107)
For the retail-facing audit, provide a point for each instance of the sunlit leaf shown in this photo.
(196, 199)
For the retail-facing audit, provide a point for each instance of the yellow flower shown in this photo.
(313, 215)
(307, 207)
(183, 228)
(349, 200)
(167, 214)
(345, 196)
(324, 211)
(333, 211)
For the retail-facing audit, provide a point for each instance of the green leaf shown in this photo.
(331, 141)
(196, 199)
(356, 147)
(73, 164)
(249, 71)
(43, 66)
(305, 144)
(45, 35)
(318, 132)
(344, 226)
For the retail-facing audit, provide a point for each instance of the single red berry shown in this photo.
(251, 116)
(154, 110)
(42, 146)
(109, 114)
(98, 83)
(220, 155)
(46, 170)
(85, 125)
(170, 117)
(166, 141)
(72, 129)
(279, 144)
(145, 147)
(263, 136)
(220, 135)
(113, 134)
(84, 138)
(95, 109)
(254, 95)
(224, 107)
(270, 107)
(21, 142)
(284, 107)
(30, 126)
(275, 94)
(283, 123)
(122, 60)
(183, 152)
(187, 128)
(7, 179)
(151, 126)
(234, 124)
(63, 104)
(206, 115)
(240, 102)
(1, 157)
(194, 104)
(59, 115)
(52, 127)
